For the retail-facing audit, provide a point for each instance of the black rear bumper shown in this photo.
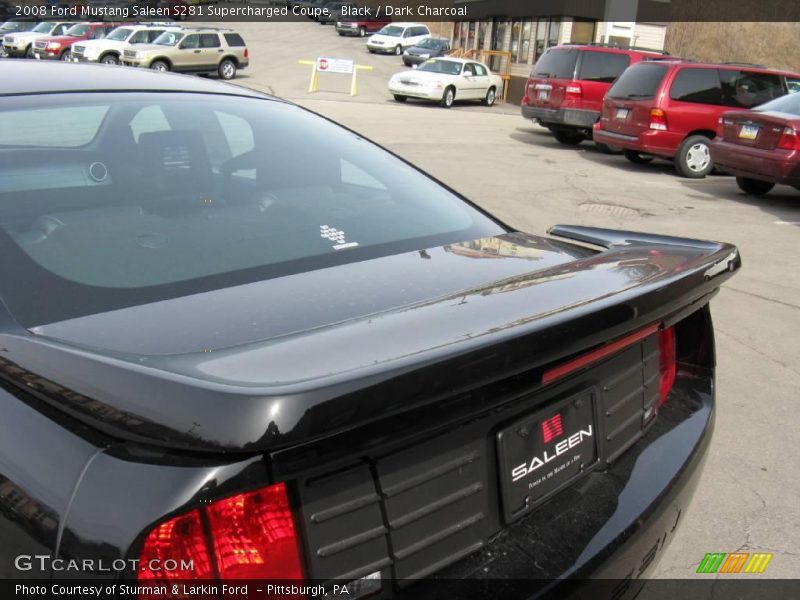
(604, 536)
(581, 119)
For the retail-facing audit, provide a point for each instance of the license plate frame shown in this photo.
(749, 132)
(548, 467)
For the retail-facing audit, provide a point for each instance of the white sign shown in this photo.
(335, 65)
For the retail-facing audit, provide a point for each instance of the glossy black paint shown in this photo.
(116, 421)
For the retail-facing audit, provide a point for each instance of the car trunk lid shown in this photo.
(322, 364)
(755, 129)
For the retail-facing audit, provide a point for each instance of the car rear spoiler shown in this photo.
(343, 378)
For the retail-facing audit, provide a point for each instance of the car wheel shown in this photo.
(400, 98)
(490, 97)
(362, 32)
(754, 187)
(109, 59)
(371, 51)
(227, 69)
(29, 52)
(340, 34)
(398, 50)
(570, 138)
(448, 97)
(636, 158)
(65, 56)
(160, 65)
(606, 149)
(693, 159)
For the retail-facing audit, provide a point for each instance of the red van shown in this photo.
(671, 108)
(565, 90)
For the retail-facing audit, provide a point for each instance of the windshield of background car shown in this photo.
(640, 81)
(168, 38)
(44, 27)
(112, 200)
(77, 30)
(557, 64)
(392, 31)
(430, 43)
(119, 35)
(448, 67)
(789, 104)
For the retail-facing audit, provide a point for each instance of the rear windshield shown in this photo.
(786, 104)
(559, 64)
(150, 196)
(604, 67)
(639, 81)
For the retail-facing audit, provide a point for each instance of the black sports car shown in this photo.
(239, 341)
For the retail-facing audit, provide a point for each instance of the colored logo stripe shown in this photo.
(552, 428)
(720, 562)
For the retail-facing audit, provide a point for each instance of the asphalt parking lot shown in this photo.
(749, 499)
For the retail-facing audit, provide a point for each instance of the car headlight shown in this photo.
(424, 55)
(53, 45)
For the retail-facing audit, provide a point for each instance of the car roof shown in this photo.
(402, 24)
(207, 30)
(686, 63)
(45, 77)
(609, 49)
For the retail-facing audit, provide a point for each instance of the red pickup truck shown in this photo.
(59, 47)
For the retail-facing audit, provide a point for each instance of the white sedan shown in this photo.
(446, 80)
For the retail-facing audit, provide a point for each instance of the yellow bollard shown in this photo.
(314, 81)
(354, 80)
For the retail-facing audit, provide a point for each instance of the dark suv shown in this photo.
(565, 90)
(672, 108)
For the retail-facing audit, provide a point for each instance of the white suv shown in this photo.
(396, 37)
(108, 50)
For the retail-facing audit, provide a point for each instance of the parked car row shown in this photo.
(652, 105)
(161, 46)
(434, 76)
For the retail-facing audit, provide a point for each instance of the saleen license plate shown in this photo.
(748, 132)
(541, 454)
(622, 113)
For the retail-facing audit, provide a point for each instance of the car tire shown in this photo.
(109, 59)
(65, 56)
(29, 52)
(490, 97)
(226, 69)
(567, 137)
(371, 51)
(398, 50)
(448, 97)
(754, 187)
(399, 98)
(159, 65)
(693, 159)
(362, 32)
(606, 149)
(636, 158)
(340, 34)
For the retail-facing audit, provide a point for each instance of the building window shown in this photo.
(582, 32)
(552, 36)
(521, 40)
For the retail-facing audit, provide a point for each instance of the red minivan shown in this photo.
(671, 108)
(566, 87)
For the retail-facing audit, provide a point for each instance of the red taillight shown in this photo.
(179, 538)
(789, 139)
(584, 360)
(246, 53)
(252, 535)
(667, 365)
(658, 119)
(552, 428)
